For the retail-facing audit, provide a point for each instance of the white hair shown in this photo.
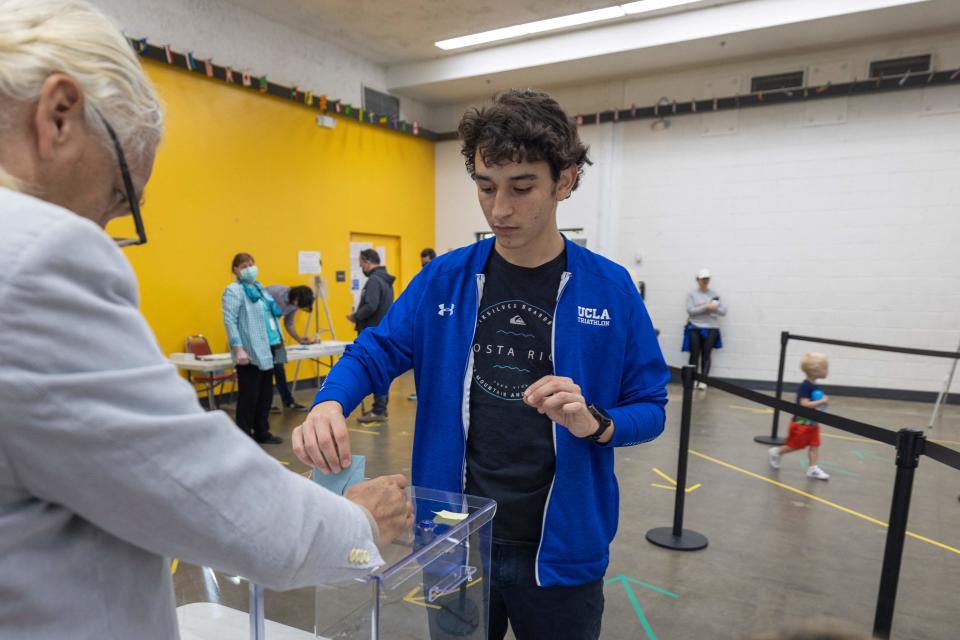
(41, 37)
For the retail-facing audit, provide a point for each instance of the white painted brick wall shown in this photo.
(247, 41)
(848, 230)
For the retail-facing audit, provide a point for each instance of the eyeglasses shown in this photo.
(128, 186)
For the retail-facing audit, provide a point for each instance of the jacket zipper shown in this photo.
(553, 355)
(465, 405)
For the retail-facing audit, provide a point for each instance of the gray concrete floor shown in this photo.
(779, 554)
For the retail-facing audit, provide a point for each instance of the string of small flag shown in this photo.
(907, 80)
(323, 104)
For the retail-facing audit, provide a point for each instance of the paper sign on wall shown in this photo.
(308, 262)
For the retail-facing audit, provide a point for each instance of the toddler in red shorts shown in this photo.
(805, 434)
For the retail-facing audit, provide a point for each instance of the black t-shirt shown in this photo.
(510, 455)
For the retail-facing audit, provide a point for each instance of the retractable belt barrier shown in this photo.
(910, 444)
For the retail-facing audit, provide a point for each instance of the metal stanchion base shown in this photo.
(769, 440)
(687, 540)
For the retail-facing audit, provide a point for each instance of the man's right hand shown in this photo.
(242, 356)
(713, 306)
(385, 499)
(322, 440)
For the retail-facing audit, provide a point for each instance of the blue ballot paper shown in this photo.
(340, 482)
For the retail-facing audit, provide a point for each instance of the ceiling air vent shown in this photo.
(791, 80)
(900, 66)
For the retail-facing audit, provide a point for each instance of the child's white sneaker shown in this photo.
(817, 473)
(702, 386)
(773, 456)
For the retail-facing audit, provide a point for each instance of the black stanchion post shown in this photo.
(910, 446)
(676, 537)
(773, 438)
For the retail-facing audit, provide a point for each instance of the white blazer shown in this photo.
(108, 464)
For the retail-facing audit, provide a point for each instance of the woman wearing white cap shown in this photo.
(702, 333)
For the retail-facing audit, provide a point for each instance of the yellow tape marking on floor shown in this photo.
(750, 409)
(820, 500)
(674, 488)
(173, 566)
(850, 438)
(665, 476)
(421, 601)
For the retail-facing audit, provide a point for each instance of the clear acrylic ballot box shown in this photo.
(433, 586)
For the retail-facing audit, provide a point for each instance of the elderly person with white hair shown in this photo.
(108, 465)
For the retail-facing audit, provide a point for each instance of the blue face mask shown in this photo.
(249, 274)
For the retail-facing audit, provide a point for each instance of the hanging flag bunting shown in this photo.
(579, 121)
(823, 88)
(806, 92)
(308, 98)
(323, 104)
(295, 93)
(616, 115)
(693, 105)
(228, 75)
(598, 118)
(141, 45)
(263, 84)
(633, 111)
(371, 116)
(416, 128)
(759, 96)
(169, 53)
(348, 109)
(674, 106)
(208, 67)
(403, 126)
(715, 104)
(246, 79)
(383, 120)
(930, 77)
(360, 114)
(339, 107)
(656, 110)
(955, 75)
(191, 63)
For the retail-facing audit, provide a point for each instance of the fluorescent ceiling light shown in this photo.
(552, 24)
(645, 6)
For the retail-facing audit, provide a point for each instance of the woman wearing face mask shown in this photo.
(250, 317)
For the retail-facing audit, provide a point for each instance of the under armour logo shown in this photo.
(446, 311)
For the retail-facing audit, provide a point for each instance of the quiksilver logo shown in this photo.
(595, 317)
(446, 311)
(517, 321)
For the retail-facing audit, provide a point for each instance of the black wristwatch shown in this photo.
(602, 418)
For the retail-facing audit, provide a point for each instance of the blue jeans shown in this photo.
(539, 613)
(380, 404)
(280, 379)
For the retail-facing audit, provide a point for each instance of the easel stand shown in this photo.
(319, 298)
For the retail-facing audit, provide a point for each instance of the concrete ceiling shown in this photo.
(399, 34)
(392, 32)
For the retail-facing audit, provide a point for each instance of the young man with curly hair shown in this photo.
(533, 359)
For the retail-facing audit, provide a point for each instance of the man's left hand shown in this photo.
(560, 400)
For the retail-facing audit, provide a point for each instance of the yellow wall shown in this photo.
(240, 171)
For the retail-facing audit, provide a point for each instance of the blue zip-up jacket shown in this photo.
(603, 340)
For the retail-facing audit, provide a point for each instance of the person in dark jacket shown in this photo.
(375, 299)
